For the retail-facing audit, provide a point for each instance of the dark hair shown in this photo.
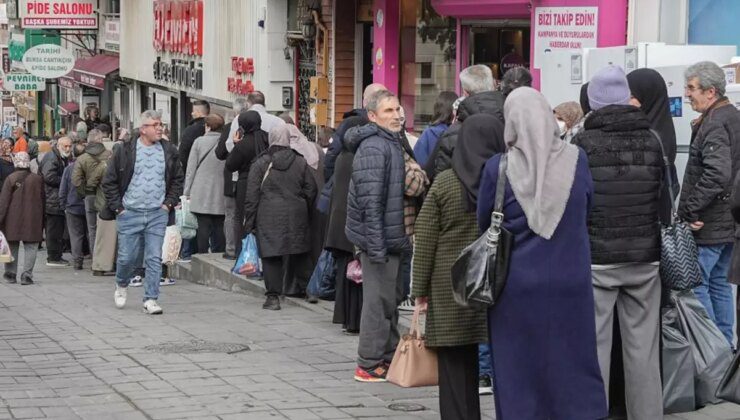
(215, 122)
(256, 98)
(105, 128)
(443, 112)
(514, 78)
(325, 134)
(206, 106)
(79, 149)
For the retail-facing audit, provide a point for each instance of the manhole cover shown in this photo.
(406, 407)
(197, 346)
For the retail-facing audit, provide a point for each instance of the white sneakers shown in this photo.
(120, 297)
(152, 308)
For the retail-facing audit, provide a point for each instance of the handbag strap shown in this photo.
(497, 216)
(205, 156)
(264, 177)
(414, 328)
(667, 171)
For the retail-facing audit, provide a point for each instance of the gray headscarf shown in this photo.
(300, 144)
(541, 167)
(279, 136)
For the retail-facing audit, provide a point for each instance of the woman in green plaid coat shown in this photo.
(445, 226)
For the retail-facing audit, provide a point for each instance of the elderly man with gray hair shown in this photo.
(143, 183)
(714, 156)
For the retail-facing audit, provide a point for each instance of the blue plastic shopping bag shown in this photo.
(323, 277)
(248, 263)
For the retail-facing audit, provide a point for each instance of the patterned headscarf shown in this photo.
(21, 160)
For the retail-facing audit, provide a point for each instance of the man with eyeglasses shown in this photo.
(714, 156)
(142, 184)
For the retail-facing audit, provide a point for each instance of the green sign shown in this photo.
(36, 37)
(23, 82)
(16, 50)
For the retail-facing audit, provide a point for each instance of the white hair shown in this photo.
(709, 74)
(149, 114)
(476, 79)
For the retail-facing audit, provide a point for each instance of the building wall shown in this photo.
(344, 59)
(230, 28)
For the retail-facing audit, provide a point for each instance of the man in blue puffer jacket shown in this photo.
(375, 226)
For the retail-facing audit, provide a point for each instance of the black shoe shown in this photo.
(98, 273)
(57, 263)
(228, 256)
(272, 303)
(311, 299)
(25, 281)
(10, 278)
(78, 265)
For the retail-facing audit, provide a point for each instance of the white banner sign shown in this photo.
(112, 35)
(10, 116)
(48, 61)
(14, 82)
(564, 28)
(58, 14)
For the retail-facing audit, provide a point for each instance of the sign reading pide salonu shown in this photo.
(58, 14)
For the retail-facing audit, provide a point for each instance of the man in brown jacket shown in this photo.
(22, 217)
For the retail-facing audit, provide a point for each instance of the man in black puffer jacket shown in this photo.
(477, 84)
(714, 158)
(375, 225)
(626, 163)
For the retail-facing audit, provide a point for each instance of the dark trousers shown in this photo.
(286, 274)
(210, 233)
(458, 382)
(54, 236)
(241, 198)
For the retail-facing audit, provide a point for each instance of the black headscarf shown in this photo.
(585, 106)
(648, 86)
(251, 122)
(481, 137)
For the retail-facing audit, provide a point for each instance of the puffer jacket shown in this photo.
(89, 169)
(714, 158)
(375, 201)
(626, 163)
(491, 102)
(52, 169)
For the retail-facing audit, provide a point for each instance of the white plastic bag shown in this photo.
(185, 220)
(171, 245)
(5, 255)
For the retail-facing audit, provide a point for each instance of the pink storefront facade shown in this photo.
(477, 22)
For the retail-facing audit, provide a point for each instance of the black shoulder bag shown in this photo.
(679, 255)
(479, 273)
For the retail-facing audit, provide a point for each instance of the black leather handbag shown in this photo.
(479, 273)
(679, 255)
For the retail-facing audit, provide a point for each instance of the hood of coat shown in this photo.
(490, 102)
(356, 135)
(95, 149)
(357, 112)
(617, 118)
(282, 157)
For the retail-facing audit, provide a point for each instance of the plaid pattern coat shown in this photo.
(443, 229)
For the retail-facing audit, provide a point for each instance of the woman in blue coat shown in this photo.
(543, 326)
(443, 116)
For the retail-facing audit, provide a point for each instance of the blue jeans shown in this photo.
(140, 238)
(715, 293)
(485, 367)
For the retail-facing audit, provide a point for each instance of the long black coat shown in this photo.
(336, 239)
(196, 128)
(714, 158)
(52, 169)
(277, 205)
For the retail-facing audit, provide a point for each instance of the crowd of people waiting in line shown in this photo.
(584, 197)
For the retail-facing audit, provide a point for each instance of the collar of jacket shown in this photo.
(196, 120)
(723, 101)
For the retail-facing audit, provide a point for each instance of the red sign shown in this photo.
(59, 14)
(241, 66)
(90, 80)
(178, 26)
(66, 83)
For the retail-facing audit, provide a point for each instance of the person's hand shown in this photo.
(237, 137)
(165, 207)
(422, 304)
(696, 225)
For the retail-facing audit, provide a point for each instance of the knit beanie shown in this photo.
(608, 87)
(21, 160)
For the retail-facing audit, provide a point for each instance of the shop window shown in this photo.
(499, 47)
(114, 6)
(428, 43)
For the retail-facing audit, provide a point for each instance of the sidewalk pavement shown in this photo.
(67, 353)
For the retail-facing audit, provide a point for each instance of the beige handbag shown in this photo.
(413, 363)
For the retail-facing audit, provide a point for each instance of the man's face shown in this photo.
(18, 132)
(388, 115)
(152, 130)
(701, 99)
(197, 112)
(65, 147)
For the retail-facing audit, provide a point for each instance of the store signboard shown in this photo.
(10, 116)
(14, 82)
(49, 61)
(112, 34)
(178, 26)
(6, 60)
(58, 14)
(564, 28)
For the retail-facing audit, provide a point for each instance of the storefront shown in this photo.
(227, 50)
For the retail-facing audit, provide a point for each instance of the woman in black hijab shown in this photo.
(650, 94)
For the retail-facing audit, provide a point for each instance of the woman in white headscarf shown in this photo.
(280, 191)
(542, 328)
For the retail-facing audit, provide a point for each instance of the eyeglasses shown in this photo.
(691, 88)
(155, 125)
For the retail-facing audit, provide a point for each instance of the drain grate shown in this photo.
(406, 407)
(197, 346)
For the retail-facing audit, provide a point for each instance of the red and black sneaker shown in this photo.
(376, 374)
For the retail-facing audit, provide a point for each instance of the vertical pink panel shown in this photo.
(386, 41)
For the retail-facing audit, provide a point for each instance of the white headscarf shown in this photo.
(541, 167)
(300, 144)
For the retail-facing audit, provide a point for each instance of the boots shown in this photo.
(272, 303)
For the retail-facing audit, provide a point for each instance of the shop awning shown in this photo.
(93, 71)
(69, 108)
